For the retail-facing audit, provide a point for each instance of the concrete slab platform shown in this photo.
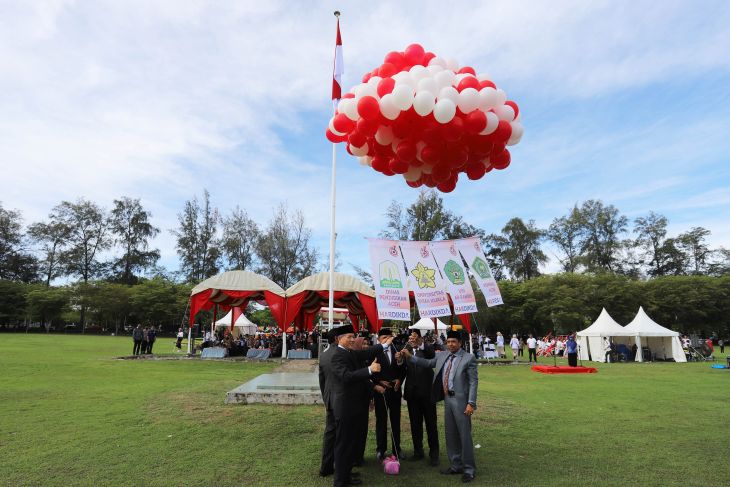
(278, 388)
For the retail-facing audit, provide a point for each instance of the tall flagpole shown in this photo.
(333, 193)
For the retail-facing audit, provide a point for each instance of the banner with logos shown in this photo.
(455, 276)
(425, 280)
(391, 290)
(471, 250)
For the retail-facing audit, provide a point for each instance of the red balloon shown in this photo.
(486, 84)
(403, 126)
(395, 58)
(467, 69)
(458, 157)
(379, 163)
(385, 86)
(387, 70)
(476, 121)
(398, 166)
(366, 77)
(357, 139)
(430, 155)
(453, 130)
(383, 150)
(367, 127)
(414, 54)
(368, 108)
(514, 107)
(416, 163)
(480, 145)
(428, 180)
(475, 171)
(415, 184)
(503, 132)
(427, 58)
(406, 151)
(343, 124)
(468, 82)
(502, 160)
(388, 172)
(348, 95)
(335, 139)
(446, 186)
(441, 172)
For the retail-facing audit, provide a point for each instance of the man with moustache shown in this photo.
(349, 394)
(387, 388)
(417, 392)
(455, 382)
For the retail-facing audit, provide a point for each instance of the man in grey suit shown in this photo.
(455, 381)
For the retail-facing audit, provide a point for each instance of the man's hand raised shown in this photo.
(388, 341)
(375, 366)
(405, 353)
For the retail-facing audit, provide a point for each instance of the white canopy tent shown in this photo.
(663, 343)
(242, 324)
(591, 340)
(426, 324)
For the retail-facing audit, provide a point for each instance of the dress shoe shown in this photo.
(379, 455)
(434, 461)
(401, 456)
(451, 471)
(467, 477)
(417, 456)
(356, 481)
(325, 473)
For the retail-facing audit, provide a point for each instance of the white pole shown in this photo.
(333, 236)
(190, 334)
(470, 346)
(283, 344)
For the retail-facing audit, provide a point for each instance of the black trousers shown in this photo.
(362, 436)
(346, 441)
(145, 346)
(532, 353)
(392, 399)
(137, 347)
(573, 359)
(328, 443)
(149, 346)
(420, 410)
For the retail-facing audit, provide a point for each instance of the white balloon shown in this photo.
(437, 61)
(384, 135)
(444, 78)
(418, 72)
(468, 100)
(484, 77)
(505, 112)
(351, 109)
(444, 110)
(341, 104)
(365, 160)
(403, 97)
(492, 122)
(426, 169)
(374, 81)
(424, 102)
(359, 90)
(452, 64)
(403, 77)
(487, 99)
(487, 163)
(517, 131)
(359, 151)
(332, 127)
(434, 68)
(428, 84)
(412, 174)
(501, 97)
(448, 93)
(388, 107)
(394, 144)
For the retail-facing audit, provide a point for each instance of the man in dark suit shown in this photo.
(417, 391)
(387, 388)
(349, 396)
(455, 382)
(327, 467)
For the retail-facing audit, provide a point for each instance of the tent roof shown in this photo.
(642, 325)
(427, 324)
(241, 321)
(239, 281)
(321, 282)
(604, 326)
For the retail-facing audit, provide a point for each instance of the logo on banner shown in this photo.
(452, 249)
(425, 277)
(424, 251)
(389, 277)
(481, 268)
(454, 273)
(393, 250)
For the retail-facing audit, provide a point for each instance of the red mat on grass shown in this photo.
(563, 369)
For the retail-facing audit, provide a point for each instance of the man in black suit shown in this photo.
(349, 396)
(387, 388)
(327, 467)
(421, 408)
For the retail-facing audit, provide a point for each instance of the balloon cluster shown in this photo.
(427, 119)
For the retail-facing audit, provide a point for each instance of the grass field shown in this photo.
(73, 415)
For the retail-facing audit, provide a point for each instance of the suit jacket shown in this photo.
(466, 377)
(389, 370)
(325, 370)
(350, 381)
(419, 379)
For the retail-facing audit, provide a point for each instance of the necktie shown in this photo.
(446, 375)
(386, 351)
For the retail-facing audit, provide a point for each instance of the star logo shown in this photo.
(425, 277)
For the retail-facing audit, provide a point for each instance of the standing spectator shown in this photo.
(531, 349)
(500, 345)
(522, 347)
(515, 346)
(137, 335)
(152, 336)
(178, 343)
(721, 342)
(571, 348)
(145, 339)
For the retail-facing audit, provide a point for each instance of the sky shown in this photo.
(627, 102)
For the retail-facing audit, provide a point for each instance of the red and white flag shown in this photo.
(339, 69)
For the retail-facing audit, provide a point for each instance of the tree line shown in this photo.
(111, 272)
